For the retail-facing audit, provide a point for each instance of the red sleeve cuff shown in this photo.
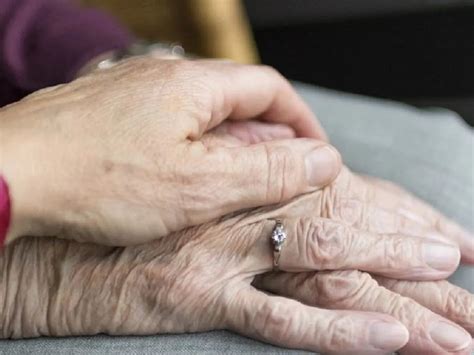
(5, 211)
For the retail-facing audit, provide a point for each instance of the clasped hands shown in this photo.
(350, 243)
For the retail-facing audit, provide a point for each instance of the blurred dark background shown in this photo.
(420, 52)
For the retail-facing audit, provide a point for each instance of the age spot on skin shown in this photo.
(108, 166)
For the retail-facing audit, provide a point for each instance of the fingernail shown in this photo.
(388, 336)
(442, 257)
(322, 165)
(451, 338)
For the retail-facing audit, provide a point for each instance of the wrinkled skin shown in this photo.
(200, 279)
(116, 157)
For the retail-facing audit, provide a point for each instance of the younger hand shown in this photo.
(116, 157)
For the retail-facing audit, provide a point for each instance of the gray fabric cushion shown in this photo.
(218, 342)
(430, 152)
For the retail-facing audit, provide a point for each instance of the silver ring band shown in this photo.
(278, 238)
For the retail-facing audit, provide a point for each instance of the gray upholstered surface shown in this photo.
(219, 342)
(430, 152)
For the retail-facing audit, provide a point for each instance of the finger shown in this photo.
(354, 290)
(252, 132)
(441, 297)
(322, 244)
(232, 134)
(374, 218)
(393, 198)
(288, 323)
(217, 140)
(256, 175)
(242, 92)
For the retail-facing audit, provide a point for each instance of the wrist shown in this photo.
(16, 154)
(63, 286)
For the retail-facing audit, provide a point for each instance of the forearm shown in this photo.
(56, 288)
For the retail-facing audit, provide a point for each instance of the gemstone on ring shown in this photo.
(278, 236)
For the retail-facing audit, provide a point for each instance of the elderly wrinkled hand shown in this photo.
(422, 306)
(116, 157)
(200, 279)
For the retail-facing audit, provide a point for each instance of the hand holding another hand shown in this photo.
(116, 157)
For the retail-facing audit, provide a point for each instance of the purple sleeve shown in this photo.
(46, 42)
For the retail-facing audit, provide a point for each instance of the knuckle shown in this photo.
(390, 254)
(325, 242)
(282, 182)
(339, 289)
(405, 309)
(400, 253)
(350, 211)
(459, 304)
(339, 334)
(275, 320)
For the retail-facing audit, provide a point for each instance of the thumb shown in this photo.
(269, 172)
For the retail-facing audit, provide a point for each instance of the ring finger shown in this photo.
(322, 244)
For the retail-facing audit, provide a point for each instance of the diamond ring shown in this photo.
(278, 239)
